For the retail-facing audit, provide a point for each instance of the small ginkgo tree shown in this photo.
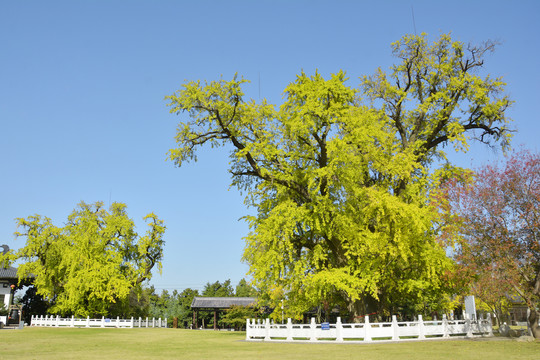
(89, 266)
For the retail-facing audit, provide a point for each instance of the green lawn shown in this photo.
(68, 343)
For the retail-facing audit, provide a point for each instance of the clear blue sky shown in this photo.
(83, 116)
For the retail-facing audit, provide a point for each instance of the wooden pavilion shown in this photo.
(216, 304)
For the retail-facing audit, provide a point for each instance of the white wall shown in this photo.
(5, 290)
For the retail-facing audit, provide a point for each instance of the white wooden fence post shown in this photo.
(248, 328)
(446, 332)
(57, 323)
(395, 328)
(421, 330)
(289, 329)
(165, 323)
(267, 330)
(489, 324)
(140, 321)
(132, 323)
(72, 321)
(103, 321)
(147, 321)
(468, 326)
(339, 330)
(153, 322)
(367, 329)
(88, 321)
(312, 329)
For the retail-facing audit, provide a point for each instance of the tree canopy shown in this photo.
(218, 289)
(91, 265)
(493, 218)
(244, 289)
(341, 184)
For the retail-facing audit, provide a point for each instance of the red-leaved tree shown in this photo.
(493, 220)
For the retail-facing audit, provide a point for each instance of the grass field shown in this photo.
(74, 343)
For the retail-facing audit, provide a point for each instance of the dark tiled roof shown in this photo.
(8, 273)
(221, 302)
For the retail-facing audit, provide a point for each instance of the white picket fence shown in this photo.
(103, 322)
(367, 331)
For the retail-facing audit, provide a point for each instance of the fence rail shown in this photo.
(103, 322)
(367, 331)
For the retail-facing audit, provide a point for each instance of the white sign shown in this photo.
(470, 307)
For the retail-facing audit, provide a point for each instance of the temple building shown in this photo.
(8, 282)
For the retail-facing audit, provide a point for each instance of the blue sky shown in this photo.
(83, 115)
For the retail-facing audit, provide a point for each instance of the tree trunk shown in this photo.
(363, 307)
(356, 308)
(534, 316)
(498, 315)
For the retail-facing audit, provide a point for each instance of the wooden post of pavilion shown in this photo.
(195, 316)
(215, 319)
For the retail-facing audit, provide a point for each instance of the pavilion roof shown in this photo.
(221, 302)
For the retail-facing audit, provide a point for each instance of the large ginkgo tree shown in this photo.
(341, 177)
